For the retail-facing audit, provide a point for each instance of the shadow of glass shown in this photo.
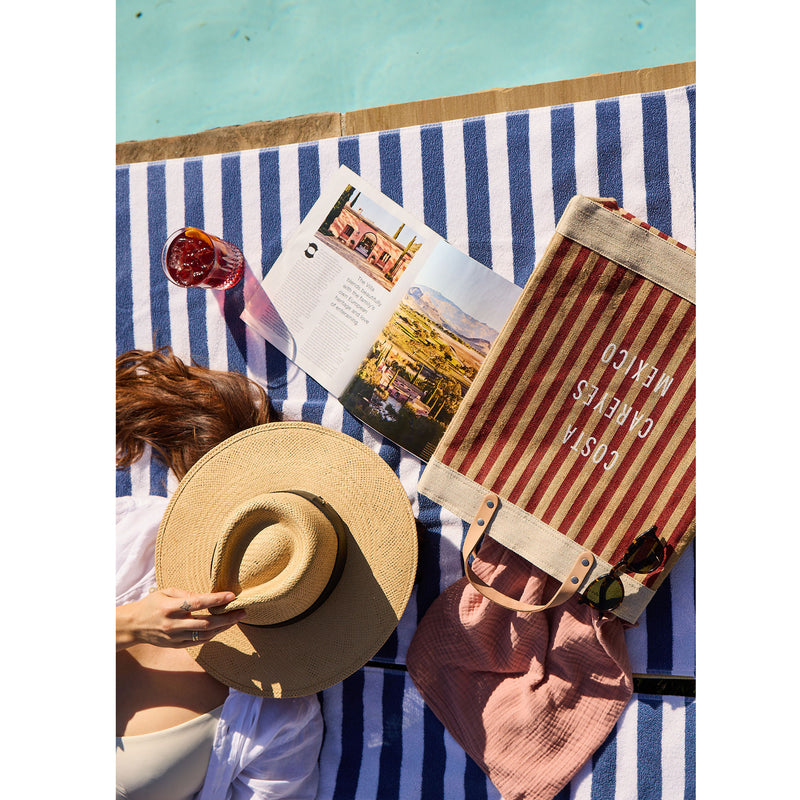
(249, 295)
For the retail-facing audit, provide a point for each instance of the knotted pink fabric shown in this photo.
(529, 696)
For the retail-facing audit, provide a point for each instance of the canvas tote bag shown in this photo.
(581, 421)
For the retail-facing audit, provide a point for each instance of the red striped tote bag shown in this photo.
(581, 422)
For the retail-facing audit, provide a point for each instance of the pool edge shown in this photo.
(324, 125)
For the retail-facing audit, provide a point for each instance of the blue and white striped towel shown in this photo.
(495, 187)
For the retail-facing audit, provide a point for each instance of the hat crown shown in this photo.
(276, 553)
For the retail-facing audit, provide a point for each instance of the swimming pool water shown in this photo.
(188, 65)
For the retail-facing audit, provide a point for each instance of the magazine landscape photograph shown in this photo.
(418, 370)
(382, 311)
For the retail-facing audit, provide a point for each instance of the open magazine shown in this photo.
(381, 311)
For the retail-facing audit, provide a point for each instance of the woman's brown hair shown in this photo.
(180, 411)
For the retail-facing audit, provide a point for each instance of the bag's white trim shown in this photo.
(592, 225)
(529, 537)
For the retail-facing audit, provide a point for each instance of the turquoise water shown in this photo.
(188, 65)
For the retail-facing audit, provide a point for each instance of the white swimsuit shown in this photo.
(169, 764)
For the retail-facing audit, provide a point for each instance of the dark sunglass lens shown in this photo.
(605, 593)
(645, 553)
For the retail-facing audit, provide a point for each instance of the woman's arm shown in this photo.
(164, 618)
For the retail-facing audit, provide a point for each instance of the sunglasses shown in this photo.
(644, 554)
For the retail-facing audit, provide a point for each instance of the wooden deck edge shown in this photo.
(592, 87)
(233, 138)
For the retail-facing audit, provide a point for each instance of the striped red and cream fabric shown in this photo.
(583, 414)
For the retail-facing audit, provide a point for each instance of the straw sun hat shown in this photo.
(314, 533)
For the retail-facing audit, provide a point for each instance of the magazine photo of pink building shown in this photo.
(359, 230)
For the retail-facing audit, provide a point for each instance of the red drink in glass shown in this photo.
(192, 257)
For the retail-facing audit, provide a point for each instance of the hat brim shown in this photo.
(340, 636)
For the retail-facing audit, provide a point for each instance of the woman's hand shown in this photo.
(164, 618)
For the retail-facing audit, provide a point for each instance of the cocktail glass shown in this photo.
(194, 258)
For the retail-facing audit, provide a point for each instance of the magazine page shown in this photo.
(339, 278)
(420, 367)
(381, 311)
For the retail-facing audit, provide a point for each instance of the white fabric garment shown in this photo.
(263, 748)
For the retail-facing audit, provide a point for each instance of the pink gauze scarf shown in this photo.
(529, 696)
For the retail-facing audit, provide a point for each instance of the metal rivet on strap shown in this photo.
(490, 503)
(574, 579)
(480, 522)
(585, 562)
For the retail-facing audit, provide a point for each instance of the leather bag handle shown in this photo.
(480, 522)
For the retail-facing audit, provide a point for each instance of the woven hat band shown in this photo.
(277, 553)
